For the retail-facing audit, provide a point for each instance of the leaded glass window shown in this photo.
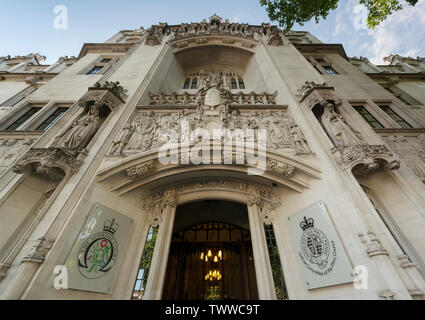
(241, 84)
(278, 278)
(368, 117)
(95, 70)
(186, 83)
(194, 83)
(234, 83)
(145, 264)
(395, 117)
(22, 119)
(55, 116)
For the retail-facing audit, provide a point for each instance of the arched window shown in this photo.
(241, 84)
(194, 83)
(186, 83)
(234, 84)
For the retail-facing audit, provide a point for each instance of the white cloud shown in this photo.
(402, 33)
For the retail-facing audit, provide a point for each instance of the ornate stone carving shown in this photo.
(140, 169)
(47, 161)
(280, 168)
(351, 150)
(39, 250)
(368, 158)
(114, 87)
(168, 198)
(97, 103)
(267, 215)
(338, 129)
(121, 140)
(308, 87)
(151, 130)
(256, 194)
(298, 139)
(411, 151)
(82, 130)
(9, 154)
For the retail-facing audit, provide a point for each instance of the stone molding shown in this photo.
(39, 250)
(231, 32)
(256, 194)
(373, 245)
(140, 169)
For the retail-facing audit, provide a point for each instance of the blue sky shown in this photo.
(27, 25)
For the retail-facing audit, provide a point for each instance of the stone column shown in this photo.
(262, 265)
(155, 283)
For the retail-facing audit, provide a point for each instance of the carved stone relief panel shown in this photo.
(213, 106)
(411, 151)
(150, 130)
(11, 150)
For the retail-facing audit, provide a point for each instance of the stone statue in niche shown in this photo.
(339, 131)
(81, 131)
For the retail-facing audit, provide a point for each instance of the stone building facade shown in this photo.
(85, 185)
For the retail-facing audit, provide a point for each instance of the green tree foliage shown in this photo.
(379, 10)
(289, 12)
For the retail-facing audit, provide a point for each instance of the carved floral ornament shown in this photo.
(215, 26)
(350, 148)
(256, 194)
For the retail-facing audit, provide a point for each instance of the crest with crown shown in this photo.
(307, 223)
(110, 226)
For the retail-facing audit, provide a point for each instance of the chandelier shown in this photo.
(212, 257)
(210, 253)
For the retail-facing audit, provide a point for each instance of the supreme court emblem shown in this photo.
(320, 254)
(99, 252)
(314, 244)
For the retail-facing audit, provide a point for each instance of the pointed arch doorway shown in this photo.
(211, 253)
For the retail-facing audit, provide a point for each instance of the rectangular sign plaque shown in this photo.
(98, 250)
(320, 254)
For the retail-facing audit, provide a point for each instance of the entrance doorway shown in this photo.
(211, 253)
